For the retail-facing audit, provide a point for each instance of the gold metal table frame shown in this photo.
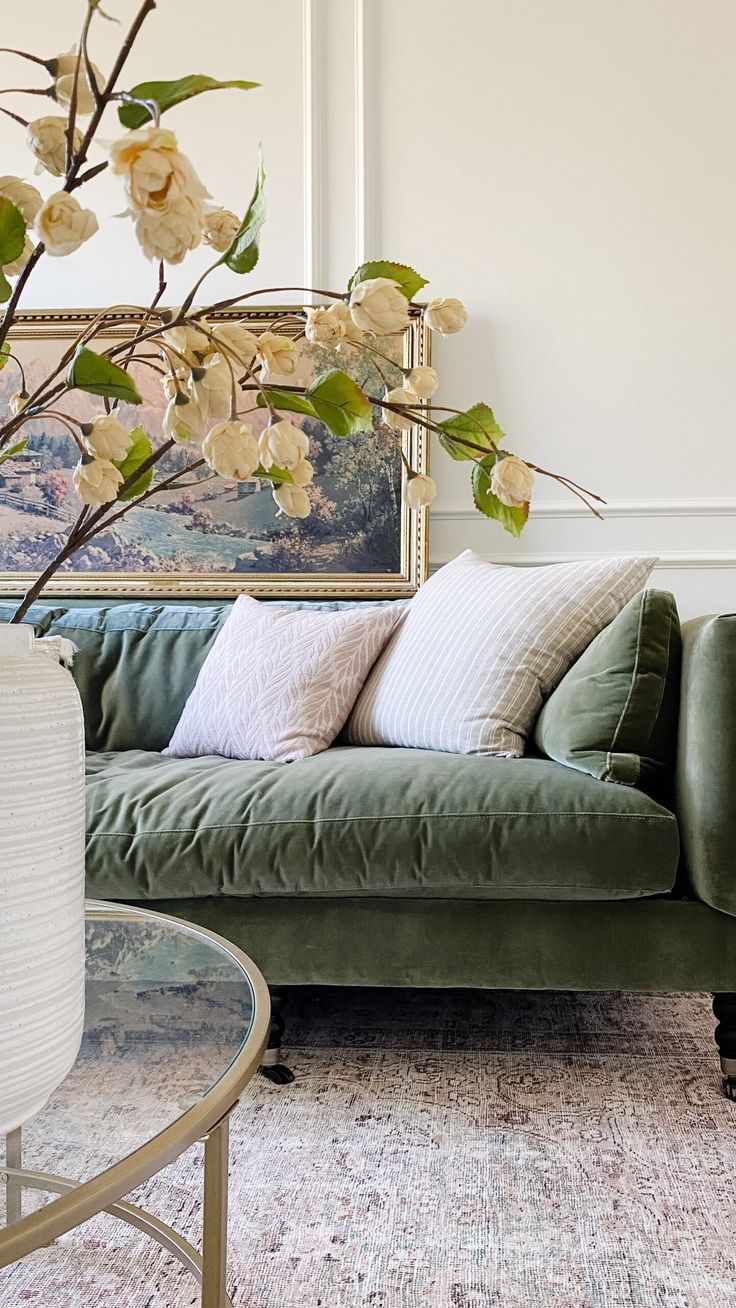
(206, 1120)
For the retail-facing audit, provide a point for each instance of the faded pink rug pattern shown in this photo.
(448, 1150)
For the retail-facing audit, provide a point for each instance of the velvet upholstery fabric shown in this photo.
(706, 760)
(646, 944)
(370, 821)
(137, 663)
(614, 715)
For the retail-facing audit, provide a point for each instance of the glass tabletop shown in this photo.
(168, 1011)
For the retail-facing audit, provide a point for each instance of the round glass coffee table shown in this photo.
(175, 1025)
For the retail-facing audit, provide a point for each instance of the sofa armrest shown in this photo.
(706, 760)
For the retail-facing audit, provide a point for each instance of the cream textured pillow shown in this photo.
(480, 647)
(279, 683)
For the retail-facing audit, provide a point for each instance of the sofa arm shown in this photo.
(706, 760)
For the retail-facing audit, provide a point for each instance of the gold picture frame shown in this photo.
(397, 549)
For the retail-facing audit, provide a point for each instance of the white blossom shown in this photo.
(323, 326)
(66, 71)
(512, 480)
(292, 500)
(302, 472)
(96, 481)
(63, 225)
(418, 490)
(17, 265)
(185, 422)
(106, 438)
(283, 444)
(278, 354)
(231, 449)
(18, 402)
(378, 305)
(165, 196)
(188, 341)
(401, 421)
(236, 342)
(24, 196)
(219, 229)
(211, 386)
(445, 315)
(46, 138)
(422, 382)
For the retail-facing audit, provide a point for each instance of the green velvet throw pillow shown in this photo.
(614, 715)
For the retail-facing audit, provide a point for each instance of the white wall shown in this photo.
(565, 166)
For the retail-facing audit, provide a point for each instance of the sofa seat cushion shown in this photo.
(370, 821)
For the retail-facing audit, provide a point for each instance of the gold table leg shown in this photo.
(214, 1220)
(13, 1190)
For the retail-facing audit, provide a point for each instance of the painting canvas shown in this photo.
(217, 538)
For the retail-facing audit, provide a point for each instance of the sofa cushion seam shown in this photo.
(382, 817)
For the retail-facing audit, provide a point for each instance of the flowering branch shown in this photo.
(204, 362)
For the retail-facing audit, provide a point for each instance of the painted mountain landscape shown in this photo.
(213, 527)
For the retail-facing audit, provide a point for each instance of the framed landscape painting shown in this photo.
(218, 538)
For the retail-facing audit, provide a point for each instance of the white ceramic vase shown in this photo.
(41, 874)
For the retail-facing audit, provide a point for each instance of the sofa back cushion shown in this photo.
(614, 715)
(136, 663)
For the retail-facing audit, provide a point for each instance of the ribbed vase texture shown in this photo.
(41, 875)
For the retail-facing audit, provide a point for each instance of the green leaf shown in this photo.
(168, 94)
(340, 404)
(12, 240)
(12, 231)
(408, 279)
(512, 519)
(13, 449)
(100, 376)
(140, 450)
(279, 476)
(242, 256)
(476, 425)
(4, 355)
(287, 400)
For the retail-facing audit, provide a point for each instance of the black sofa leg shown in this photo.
(724, 1007)
(272, 1067)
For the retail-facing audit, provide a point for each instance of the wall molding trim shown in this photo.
(364, 234)
(662, 508)
(667, 559)
(314, 251)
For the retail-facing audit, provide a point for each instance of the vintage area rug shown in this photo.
(452, 1150)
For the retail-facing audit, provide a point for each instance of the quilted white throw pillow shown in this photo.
(279, 683)
(481, 646)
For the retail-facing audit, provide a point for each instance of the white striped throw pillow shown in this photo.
(480, 647)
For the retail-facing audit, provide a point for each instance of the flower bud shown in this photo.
(422, 382)
(63, 225)
(46, 137)
(231, 449)
(106, 438)
(18, 401)
(378, 306)
(445, 316)
(24, 196)
(283, 444)
(96, 481)
(512, 480)
(401, 421)
(292, 500)
(418, 490)
(219, 229)
(278, 354)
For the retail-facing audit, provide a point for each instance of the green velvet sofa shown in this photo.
(396, 867)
